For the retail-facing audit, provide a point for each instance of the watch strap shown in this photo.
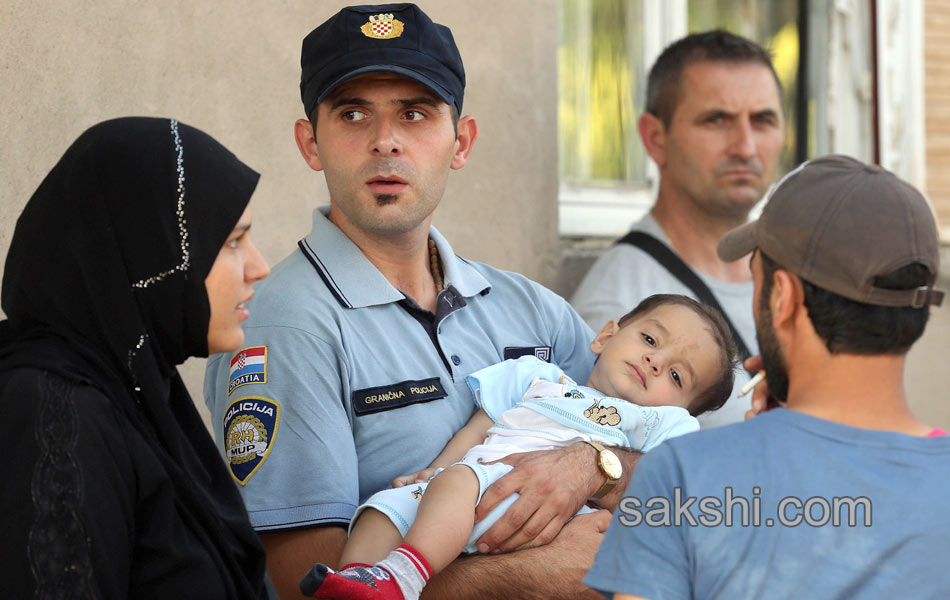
(610, 483)
(597, 446)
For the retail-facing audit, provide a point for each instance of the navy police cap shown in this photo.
(393, 38)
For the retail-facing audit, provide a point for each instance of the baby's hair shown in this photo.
(714, 396)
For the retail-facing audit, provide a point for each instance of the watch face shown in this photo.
(611, 464)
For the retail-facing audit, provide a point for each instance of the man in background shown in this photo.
(714, 126)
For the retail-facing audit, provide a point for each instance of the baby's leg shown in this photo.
(438, 535)
(446, 516)
(371, 540)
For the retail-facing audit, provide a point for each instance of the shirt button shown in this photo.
(456, 360)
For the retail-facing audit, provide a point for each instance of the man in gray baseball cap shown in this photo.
(844, 260)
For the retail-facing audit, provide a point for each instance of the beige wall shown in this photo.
(232, 69)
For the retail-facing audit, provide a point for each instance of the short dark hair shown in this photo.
(718, 45)
(716, 394)
(849, 327)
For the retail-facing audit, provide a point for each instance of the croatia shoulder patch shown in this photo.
(250, 424)
(248, 366)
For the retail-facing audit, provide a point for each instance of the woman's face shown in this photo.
(238, 265)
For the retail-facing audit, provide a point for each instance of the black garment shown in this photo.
(117, 490)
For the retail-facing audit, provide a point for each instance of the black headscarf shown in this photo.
(104, 285)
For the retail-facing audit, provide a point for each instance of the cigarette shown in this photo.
(752, 383)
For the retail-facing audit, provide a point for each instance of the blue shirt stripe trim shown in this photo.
(324, 274)
(295, 517)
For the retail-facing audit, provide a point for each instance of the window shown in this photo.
(606, 49)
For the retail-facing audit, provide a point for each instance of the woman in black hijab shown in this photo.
(131, 256)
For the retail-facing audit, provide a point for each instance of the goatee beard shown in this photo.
(385, 199)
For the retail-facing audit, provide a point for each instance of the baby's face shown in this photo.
(665, 357)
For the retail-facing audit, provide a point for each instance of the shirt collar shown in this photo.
(357, 283)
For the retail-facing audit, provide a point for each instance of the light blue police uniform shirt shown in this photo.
(339, 387)
(896, 547)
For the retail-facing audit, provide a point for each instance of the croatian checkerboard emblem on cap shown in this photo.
(248, 366)
(382, 27)
(250, 425)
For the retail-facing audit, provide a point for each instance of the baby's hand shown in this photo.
(418, 477)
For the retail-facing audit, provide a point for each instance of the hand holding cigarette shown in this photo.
(762, 399)
(752, 383)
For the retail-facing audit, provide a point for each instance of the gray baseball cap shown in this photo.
(839, 223)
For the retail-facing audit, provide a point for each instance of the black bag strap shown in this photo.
(662, 254)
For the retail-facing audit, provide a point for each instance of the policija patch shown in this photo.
(250, 424)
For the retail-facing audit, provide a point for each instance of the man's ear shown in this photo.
(464, 140)
(653, 136)
(788, 297)
(606, 332)
(307, 144)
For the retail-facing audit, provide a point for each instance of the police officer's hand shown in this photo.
(553, 485)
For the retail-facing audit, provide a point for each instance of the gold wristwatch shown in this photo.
(609, 465)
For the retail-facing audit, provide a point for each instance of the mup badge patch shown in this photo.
(250, 425)
(248, 366)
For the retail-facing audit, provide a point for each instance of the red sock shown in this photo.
(410, 569)
(356, 582)
(400, 576)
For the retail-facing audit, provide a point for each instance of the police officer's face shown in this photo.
(386, 144)
(725, 137)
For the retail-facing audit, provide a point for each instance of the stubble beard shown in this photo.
(773, 361)
(363, 213)
(735, 201)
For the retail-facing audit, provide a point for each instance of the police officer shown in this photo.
(357, 349)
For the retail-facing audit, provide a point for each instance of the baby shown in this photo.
(668, 360)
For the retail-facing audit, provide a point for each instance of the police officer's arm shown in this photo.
(299, 482)
(290, 554)
(551, 572)
(553, 485)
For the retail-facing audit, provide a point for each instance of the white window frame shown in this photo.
(900, 65)
(838, 70)
(609, 211)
